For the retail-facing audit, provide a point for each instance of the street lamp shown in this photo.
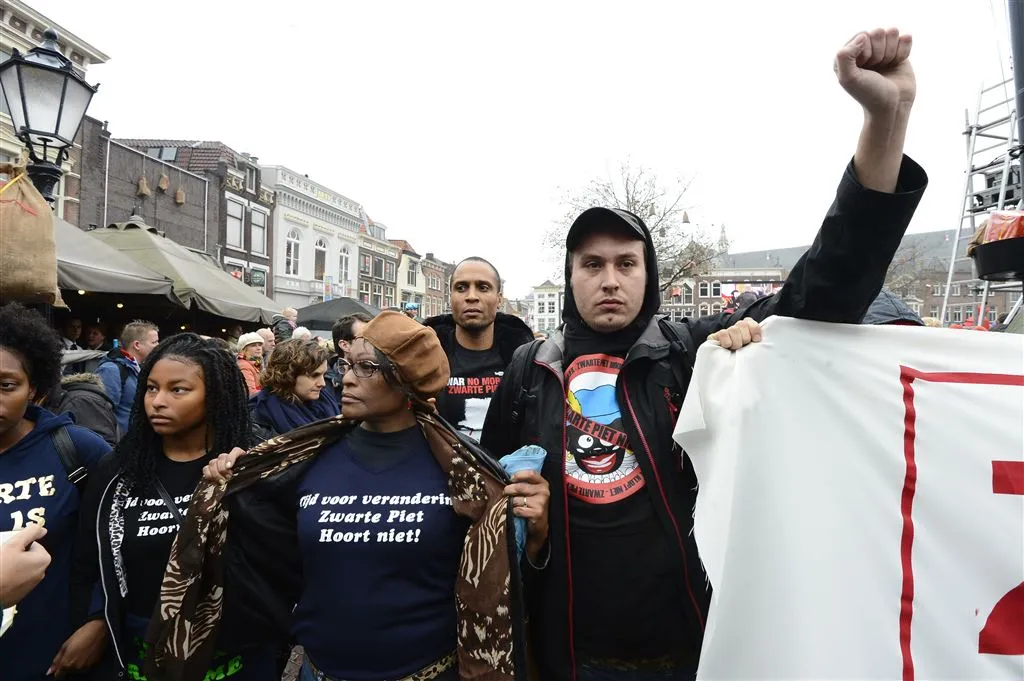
(47, 100)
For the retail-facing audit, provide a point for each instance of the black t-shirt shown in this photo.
(149, 531)
(626, 573)
(475, 377)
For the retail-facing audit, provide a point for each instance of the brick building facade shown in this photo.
(186, 211)
(239, 208)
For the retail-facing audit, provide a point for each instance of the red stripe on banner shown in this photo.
(1008, 477)
(906, 508)
(963, 377)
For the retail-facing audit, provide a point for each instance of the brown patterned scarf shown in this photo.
(183, 630)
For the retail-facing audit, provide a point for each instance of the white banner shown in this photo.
(861, 505)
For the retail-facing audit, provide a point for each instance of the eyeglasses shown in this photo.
(363, 369)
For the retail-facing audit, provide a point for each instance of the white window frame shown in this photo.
(364, 292)
(250, 178)
(228, 217)
(378, 259)
(320, 246)
(389, 296)
(390, 272)
(377, 299)
(703, 310)
(411, 273)
(716, 289)
(703, 290)
(292, 253)
(687, 294)
(258, 248)
(954, 290)
(343, 264)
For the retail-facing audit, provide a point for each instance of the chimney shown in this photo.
(430, 256)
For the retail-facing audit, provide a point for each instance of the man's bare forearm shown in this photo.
(880, 149)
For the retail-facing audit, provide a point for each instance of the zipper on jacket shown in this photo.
(568, 540)
(668, 508)
(103, 576)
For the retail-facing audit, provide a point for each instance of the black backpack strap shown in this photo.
(521, 386)
(76, 472)
(125, 373)
(679, 353)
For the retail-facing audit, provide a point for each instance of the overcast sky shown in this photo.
(461, 124)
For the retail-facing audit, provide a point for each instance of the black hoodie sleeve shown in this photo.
(501, 432)
(842, 272)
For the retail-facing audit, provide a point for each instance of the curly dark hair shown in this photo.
(25, 334)
(289, 360)
(226, 397)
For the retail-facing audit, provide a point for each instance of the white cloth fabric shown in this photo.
(861, 505)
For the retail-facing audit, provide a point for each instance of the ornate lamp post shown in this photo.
(47, 100)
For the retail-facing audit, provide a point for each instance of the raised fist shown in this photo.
(874, 67)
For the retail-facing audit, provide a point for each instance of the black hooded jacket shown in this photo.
(835, 281)
(509, 333)
(888, 308)
(480, 368)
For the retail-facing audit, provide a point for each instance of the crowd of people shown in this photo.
(451, 499)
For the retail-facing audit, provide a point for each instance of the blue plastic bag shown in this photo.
(528, 458)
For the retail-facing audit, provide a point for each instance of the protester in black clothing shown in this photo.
(479, 342)
(624, 595)
(191, 402)
(344, 331)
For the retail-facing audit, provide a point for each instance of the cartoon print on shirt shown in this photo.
(600, 467)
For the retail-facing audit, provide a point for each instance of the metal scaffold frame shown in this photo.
(994, 119)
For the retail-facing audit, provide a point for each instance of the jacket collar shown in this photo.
(652, 344)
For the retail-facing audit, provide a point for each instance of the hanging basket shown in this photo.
(164, 182)
(999, 251)
(1000, 260)
(143, 187)
(179, 196)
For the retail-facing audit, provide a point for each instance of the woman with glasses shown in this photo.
(293, 391)
(381, 540)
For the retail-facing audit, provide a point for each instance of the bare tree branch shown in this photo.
(683, 250)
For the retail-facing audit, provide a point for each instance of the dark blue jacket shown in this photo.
(34, 488)
(120, 378)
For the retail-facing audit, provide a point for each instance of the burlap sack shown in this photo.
(28, 250)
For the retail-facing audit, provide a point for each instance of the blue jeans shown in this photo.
(585, 672)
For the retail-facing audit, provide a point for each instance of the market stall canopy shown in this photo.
(322, 316)
(196, 282)
(86, 264)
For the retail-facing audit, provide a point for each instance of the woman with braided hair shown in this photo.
(191, 405)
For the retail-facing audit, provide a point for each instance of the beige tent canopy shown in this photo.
(86, 264)
(195, 281)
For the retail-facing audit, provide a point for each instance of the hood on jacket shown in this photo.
(82, 381)
(509, 333)
(887, 308)
(613, 220)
